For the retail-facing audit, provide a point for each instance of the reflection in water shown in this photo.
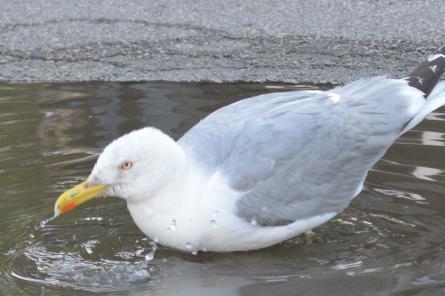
(389, 241)
(432, 138)
(426, 173)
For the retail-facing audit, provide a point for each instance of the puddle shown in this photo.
(390, 240)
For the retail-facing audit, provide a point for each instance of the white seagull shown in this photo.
(264, 169)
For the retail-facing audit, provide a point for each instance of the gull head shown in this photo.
(136, 166)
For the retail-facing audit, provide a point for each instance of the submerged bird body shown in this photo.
(263, 169)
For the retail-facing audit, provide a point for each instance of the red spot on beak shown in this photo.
(68, 207)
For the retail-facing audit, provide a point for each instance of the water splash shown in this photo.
(45, 222)
(71, 270)
(151, 255)
(74, 255)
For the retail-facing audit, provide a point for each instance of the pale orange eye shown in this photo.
(126, 165)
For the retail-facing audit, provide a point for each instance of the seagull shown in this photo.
(264, 169)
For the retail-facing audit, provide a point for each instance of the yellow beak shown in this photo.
(76, 196)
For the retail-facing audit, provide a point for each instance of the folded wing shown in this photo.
(300, 154)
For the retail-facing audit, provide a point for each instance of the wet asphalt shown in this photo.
(315, 41)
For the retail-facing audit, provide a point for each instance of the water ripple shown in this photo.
(78, 262)
(389, 239)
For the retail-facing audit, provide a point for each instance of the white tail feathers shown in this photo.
(432, 102)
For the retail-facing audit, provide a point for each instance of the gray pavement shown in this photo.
(179, 40)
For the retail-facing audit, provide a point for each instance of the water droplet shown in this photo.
(94, 219)
(253, 222)
(195, 252)
(155, 239)
(151, 255)
(264, 208)
(188, 245)
(89, 246)
(215, 213)
(172, 226)
(164, 260)
(213, 223)
(88, 250)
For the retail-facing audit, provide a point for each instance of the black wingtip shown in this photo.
(426, 74)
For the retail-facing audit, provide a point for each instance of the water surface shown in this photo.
(389, 241)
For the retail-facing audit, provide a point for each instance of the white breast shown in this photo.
(203, 217)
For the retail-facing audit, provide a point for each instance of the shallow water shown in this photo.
(389, 241)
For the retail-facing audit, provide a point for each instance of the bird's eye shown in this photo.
(126, 165)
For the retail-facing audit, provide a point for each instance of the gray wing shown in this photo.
(300, 154)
